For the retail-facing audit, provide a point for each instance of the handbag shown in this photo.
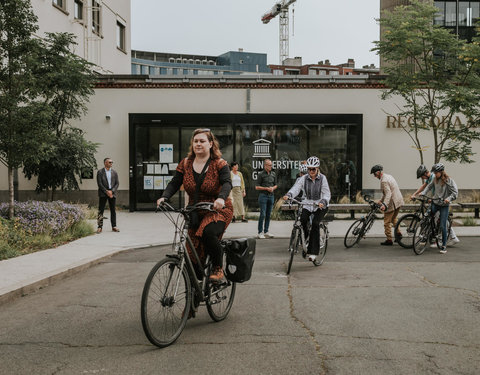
(194, 218)
(240, 254)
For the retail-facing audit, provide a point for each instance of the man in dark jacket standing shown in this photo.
(107, 181)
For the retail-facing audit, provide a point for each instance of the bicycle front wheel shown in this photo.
(292, 247)
(166, 301)
(353, 233)
(406, 228)
(323, 245)
(421, 236)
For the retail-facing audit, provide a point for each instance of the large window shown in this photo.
(120, 36)
(96, 17)
(78, 9)
(62, 4)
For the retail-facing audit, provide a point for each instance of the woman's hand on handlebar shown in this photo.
(218, 204)
(286, 197)
(160, 201)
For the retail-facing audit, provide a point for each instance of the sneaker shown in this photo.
(311, 257)
(244, 221)
(268, 235)
(99, 230)
(217, 275)
(433, 245)
(261, 235)
(386, 243)
(443, 250)
(453, 241)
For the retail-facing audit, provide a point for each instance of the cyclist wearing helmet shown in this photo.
(426, 176)
(316, 191)
(390, 202)
(444, 189)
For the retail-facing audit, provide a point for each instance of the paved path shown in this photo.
(367, 310)
(22, 275)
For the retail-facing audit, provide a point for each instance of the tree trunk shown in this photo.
(11, 200)
(53, 192)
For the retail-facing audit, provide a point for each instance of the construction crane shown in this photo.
(281, 8)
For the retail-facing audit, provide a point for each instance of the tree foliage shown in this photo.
(66, 87)
(437, 76)
(23, 112)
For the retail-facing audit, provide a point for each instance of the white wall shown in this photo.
(103, 51)
(390, 147)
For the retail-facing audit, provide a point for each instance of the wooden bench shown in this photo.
(475, 206)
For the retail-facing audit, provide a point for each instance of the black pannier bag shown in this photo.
(240, 258)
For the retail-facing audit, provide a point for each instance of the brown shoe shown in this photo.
(115, 229)
(217, 275)
(99, 230)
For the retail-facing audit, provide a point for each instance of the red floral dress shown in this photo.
(208, 192)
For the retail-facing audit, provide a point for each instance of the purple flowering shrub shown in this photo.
(36, 217)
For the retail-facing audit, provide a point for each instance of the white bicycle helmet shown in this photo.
(313, 162)
(303, 168)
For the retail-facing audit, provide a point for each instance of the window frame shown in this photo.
(96, 18)
(78, 4)
(61, 7)
(121, 34)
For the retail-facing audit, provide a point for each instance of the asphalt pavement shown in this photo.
(366, 310)
(25, 274)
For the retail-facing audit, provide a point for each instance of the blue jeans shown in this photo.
(265, 201)
(443, 220)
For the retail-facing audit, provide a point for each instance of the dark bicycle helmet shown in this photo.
(439, 167)
(421, 171)
(376, 168)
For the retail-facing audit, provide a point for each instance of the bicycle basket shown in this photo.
(240, 258)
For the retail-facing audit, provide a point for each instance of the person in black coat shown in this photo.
(107, 181)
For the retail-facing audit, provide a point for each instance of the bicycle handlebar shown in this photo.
(186, 210)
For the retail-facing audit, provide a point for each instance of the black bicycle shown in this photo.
(428, 230)
(360, 227)
(175, 287)
(298, 240)
(406, 225)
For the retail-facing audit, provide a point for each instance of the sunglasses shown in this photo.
(312, 169)
(110, 162)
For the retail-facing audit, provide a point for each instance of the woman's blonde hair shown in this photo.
(215, 152)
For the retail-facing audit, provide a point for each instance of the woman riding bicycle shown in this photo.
(444, 191)
(206, 178)
(316, 191)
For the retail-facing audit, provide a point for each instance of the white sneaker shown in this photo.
(443, 250)
(269, 235)
(433, 245)
(311, 257)
(453, 241)
(261, 235)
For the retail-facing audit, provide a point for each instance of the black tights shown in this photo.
(211, 242)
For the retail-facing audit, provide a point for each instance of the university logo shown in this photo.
(262, 148)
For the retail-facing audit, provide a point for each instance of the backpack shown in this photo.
(240, 258)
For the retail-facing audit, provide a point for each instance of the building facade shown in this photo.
(101, 28)
(232, 62)
(145, 125)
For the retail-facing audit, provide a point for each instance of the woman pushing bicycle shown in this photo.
(444, 191)
(206, 178)
(316, 191)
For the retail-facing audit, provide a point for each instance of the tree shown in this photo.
(23, 113)
(66, 87)
(437, 76)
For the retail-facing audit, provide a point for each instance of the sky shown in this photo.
(320, 29)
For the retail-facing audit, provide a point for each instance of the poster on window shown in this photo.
(147, 182)
(167, 179)
(166, 153)
(158, 183)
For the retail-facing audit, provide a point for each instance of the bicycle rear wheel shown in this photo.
(166, 301)
(421, 236)
(220, 299)
(292, 247)
(406, 227)
(353, 233)
(323, 245)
